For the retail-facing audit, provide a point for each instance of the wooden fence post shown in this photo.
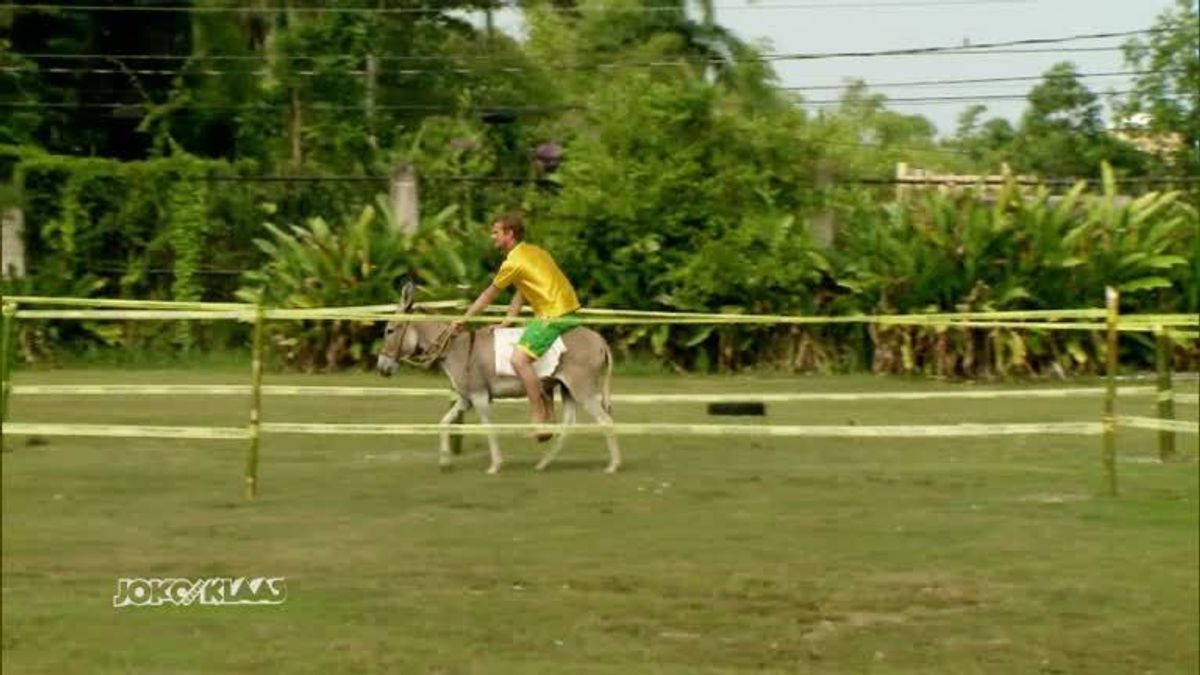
(1166, 395)
(256, 371)
(1110, 394)
(9, 313)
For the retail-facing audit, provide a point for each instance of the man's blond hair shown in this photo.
(512, 222)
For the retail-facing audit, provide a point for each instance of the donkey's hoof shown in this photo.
(612, 468)
(541, 466)
(493, 470)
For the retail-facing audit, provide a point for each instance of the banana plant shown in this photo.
(1023, 251)
(363, 261)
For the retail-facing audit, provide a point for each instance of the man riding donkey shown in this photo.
(543, 285)
(582, 361)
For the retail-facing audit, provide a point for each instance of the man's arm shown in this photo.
(481, 303)
(514, 308)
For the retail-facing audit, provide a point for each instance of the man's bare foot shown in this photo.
(542, 417)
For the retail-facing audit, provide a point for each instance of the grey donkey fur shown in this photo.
(583, 377)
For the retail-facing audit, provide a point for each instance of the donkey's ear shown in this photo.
(407, 291)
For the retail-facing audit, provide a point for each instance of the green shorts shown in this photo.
(541, 333)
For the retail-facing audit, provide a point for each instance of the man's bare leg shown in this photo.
(523, 366)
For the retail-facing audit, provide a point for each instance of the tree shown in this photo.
(1166, 95)
(658, 161)
(863, 138)
(1062, 134)
(94, 82)
(18, 85)
(987, 144)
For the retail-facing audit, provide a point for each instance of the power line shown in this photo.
(961, 49)
(221, 57)
(356, 72)
(978, 80)
(1060, 50)
(446, 108)
(383, 58)
(947, 99)
(760, 58)
(258, 73)
(117, 105)
(483, 110)
(651, 9)
(860, 5)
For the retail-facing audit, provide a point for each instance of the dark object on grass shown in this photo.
(738, 408)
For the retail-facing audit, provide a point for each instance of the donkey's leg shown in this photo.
(456, 439)
(452, 416)
(595, 408)
(569, 408)
(484, 406)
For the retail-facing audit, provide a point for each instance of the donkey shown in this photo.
(583, 375)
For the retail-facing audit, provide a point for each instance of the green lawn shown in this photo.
(705, 555)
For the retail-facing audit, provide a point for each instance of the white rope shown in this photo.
(632, 399)
(1155, 424)
(125, 431)
(810, 431)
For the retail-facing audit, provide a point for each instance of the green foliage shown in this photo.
(80, 131)
(986, 144)
(143, 230)
(18, 124)
(1167, 89)
(764, 265)
(459, 148)
(937, 253)
(690, 187)
(634, 205)
(42, 340)
(188, 217)
(1061, 132)
(363, 261)
(862, 137)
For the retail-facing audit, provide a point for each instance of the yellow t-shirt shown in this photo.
(540, 281)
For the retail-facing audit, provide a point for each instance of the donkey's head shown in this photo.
(399, 341)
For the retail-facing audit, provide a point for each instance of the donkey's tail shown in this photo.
(607, 392)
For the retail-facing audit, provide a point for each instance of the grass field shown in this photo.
(705, 555)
